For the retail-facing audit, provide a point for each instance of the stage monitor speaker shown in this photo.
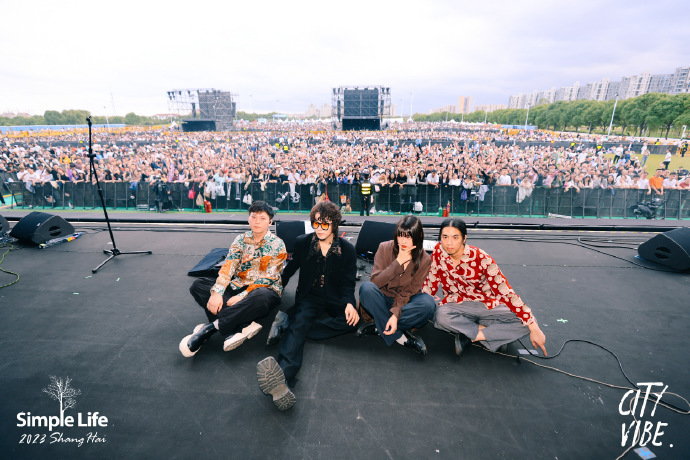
(4, 226)
(671, 249)
(372, 235)
(288, 231)
(40, 227)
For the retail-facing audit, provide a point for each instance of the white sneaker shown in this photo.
(238, 339)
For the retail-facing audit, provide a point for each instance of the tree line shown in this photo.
(78, 117)
(652, 114)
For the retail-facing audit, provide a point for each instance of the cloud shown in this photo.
(75, 55)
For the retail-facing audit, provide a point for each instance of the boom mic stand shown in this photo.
(114, 252)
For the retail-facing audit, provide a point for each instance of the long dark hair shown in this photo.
(410, 226)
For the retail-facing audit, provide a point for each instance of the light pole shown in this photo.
(527, 117)
(106, 117)
(612, 115)
(486, 116)
(410, 104)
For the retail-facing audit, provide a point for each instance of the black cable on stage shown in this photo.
(620, 366)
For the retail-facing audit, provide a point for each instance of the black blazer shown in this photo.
(341, 270)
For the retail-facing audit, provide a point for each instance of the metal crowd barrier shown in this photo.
(495, 201)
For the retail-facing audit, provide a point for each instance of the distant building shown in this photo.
(325, 111)
(165, 116)
(490, 107)
(13, 115)
(445, 108)
(680, 81)
(606, 90)
(464, 105)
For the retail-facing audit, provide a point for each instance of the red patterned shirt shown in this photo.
(476, 278)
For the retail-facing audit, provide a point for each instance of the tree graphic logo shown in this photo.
(61, 391)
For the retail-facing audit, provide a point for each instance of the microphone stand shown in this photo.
(114, 252)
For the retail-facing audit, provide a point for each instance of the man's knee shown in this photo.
(442, 316)
(265, 296)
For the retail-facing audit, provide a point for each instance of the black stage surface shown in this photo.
(115, 335)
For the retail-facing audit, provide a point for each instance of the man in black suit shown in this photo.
(327, 269)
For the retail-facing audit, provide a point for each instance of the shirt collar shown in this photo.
(465, 254)
(249, 238)
(315, 249)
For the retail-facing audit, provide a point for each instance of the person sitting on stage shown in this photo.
(326, 286)
(247, 288)
(393, 295)
(479, 304)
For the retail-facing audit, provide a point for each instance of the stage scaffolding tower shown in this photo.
(360, 107)
(205, 104)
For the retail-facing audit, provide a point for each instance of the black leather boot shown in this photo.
(280, 324)
(193, 342)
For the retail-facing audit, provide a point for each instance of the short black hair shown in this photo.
(261, 206)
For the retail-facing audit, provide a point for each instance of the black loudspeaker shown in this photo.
(372, 235)
(4, 226)
(39, 227)
(288, 231)
(671, 249)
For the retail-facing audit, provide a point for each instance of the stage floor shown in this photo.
(115, 334)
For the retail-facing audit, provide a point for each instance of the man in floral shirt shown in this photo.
(478, 305)
(247, 288)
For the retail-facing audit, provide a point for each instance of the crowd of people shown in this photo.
(432, 154)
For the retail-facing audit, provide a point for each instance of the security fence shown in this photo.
(422, 199)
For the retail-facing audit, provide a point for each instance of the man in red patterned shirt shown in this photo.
(478, 305)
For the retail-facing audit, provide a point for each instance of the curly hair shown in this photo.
(328, 211)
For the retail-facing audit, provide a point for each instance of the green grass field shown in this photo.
(654, 162)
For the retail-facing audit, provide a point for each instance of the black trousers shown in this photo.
(366, 204)
(231, 319)
(305, 323)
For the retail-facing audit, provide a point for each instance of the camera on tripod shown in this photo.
(648, 209)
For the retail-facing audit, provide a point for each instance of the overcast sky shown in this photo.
(68, 54)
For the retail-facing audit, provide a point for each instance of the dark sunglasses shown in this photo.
(324, 225)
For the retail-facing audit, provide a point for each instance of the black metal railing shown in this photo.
(423, 199)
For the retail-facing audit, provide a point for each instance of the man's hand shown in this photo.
(537, 337)
(233, 300)
(215, 303)
(351, 315)
(391, 325)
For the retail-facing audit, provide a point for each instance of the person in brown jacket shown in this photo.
(393, 295)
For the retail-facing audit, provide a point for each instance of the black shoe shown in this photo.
(366, 329)
(505, 348)
(415, 343)
(271, 380)
(462, 342)
(280, 324)
(193, 342)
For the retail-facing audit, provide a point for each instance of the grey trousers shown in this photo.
(501, 324)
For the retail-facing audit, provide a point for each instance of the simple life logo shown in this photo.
(61, 391)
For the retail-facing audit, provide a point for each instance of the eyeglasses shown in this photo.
(324, 225)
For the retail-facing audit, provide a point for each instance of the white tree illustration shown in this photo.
(61, 391)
